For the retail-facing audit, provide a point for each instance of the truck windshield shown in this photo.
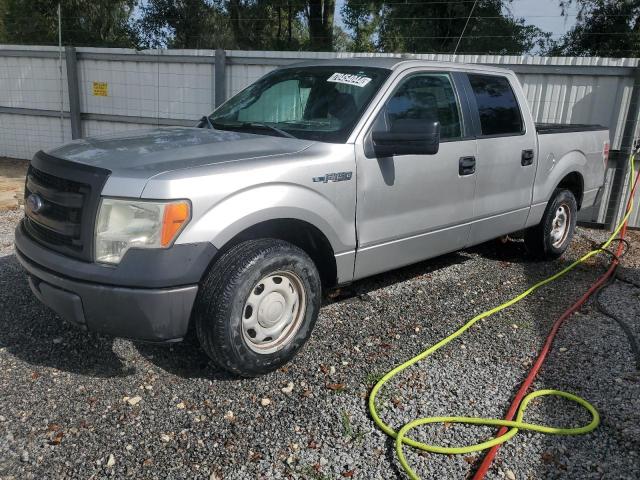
(316, 103)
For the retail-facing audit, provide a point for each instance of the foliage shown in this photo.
(239, 24)
(320, 20)
(603, 28)
(435, 27)
(3, 7)
(607, 28)
(363, 20)
(182, 24)
(103, 23)
(267, 25)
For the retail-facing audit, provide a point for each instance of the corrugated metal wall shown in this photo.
(144, 89)
(178, 87)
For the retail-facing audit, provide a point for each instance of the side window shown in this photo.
(428, 97)
(497, 105)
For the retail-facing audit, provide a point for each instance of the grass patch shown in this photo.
(372, 378)
(313, 474)
(348, 430)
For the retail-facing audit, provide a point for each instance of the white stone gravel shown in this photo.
(63, 414)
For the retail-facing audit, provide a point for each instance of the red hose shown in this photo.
(522, 391)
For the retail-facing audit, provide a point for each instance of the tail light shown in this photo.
(605, 154)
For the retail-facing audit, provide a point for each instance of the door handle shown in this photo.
(467, 166)
(527, 158)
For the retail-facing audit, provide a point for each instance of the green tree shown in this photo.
(3, 8)
(102, 23)
(267, 25)
(183, 24)
(232, 24)
(607, 28)
(320, 19)
(362, 20)
(435, 27)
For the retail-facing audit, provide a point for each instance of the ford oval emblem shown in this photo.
(35, 203)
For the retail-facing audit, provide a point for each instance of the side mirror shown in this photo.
(407, 136)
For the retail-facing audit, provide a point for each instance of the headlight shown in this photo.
(125, 224)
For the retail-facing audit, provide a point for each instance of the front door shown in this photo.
(412, 207)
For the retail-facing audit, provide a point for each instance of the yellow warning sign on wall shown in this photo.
(100, 89)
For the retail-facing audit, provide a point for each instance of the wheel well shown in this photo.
(575, 184)
(301, 234)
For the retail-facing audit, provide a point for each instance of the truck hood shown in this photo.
(142, 154)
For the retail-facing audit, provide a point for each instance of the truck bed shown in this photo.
(547, 128)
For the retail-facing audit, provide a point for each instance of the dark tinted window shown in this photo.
(497, 105)
(430, 98)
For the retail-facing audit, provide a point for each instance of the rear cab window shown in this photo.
(498, 107)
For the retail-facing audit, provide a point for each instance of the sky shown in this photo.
(545, 14)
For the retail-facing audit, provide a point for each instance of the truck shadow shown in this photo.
(361, 288)
(186, 359)
(33, 333)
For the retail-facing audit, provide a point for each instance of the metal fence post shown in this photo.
(220, 90)
(71, 61)
(615, 210)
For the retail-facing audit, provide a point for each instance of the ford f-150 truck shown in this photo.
(316, 175)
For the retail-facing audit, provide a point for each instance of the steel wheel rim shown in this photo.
(273, 312)
(560, 226)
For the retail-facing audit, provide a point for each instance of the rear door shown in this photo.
(506, 160)
(412, 207)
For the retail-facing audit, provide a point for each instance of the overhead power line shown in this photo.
(465, 27)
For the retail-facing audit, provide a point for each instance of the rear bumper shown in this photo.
(147, 297)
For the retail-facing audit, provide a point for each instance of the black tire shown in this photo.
(538, 239)
(220, 305)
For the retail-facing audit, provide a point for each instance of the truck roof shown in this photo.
(395, 63)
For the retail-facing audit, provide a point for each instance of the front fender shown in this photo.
(243, 209)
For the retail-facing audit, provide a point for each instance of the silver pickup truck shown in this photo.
(316, 175)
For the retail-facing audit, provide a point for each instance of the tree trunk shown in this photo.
(290, 23)
(320, 15)
(279, 21)
(234, 10)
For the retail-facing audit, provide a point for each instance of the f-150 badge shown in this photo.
(334, 177)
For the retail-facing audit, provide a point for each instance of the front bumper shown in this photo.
(157, 314)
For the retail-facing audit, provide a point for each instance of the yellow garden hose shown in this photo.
(400, 436)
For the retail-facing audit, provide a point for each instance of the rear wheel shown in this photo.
(257, 306)
(552, 236)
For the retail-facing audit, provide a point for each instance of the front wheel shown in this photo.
(257, 306)
(552, 236)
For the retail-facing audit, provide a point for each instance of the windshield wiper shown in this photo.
(269, 127)
(253, 125)
(205, 121)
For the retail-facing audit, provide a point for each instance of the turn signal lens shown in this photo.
(175, 216)
(605, 154)
(126, 224)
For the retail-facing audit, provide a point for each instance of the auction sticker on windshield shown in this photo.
(349, 79)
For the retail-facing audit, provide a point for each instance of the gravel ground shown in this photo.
(87, 406)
